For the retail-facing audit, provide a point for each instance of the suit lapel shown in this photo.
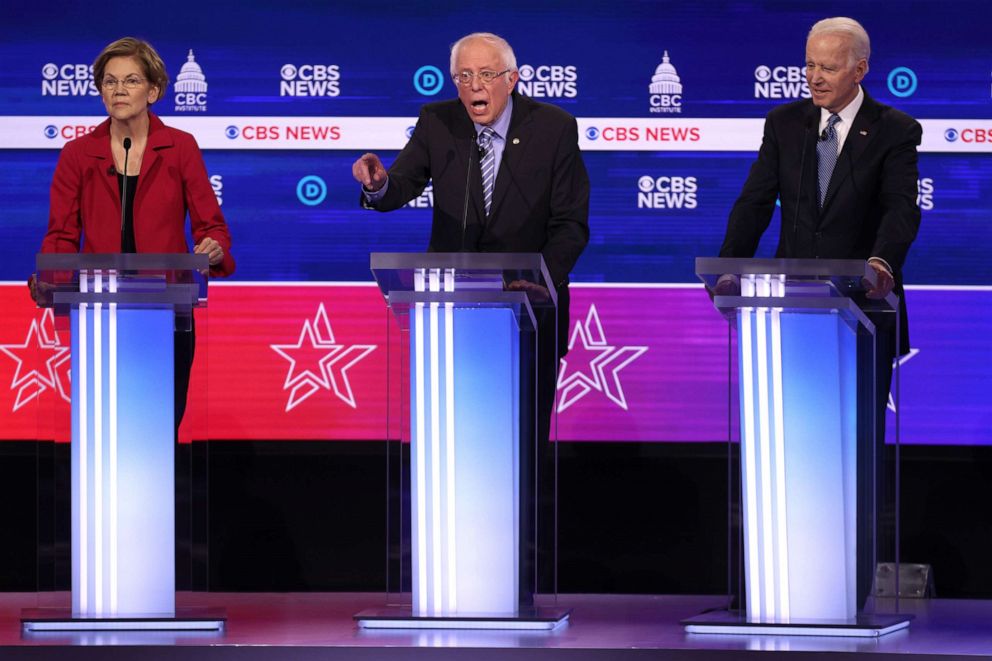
(98, 148)
(517, 141)
(809, 175)
(858, 138)
(158, 139)
(466, 147)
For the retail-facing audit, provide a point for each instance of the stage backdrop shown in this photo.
(284, 96)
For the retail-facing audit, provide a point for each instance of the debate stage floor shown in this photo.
(305, 626)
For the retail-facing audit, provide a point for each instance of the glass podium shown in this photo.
(464, 503)
(123, 311)
(810, 367)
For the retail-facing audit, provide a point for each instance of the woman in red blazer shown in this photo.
(165, 172)
(160, 176)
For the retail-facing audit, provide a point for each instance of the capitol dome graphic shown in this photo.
(665, 79)
(191, 78)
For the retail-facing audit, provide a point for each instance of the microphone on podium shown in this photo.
(127, 148)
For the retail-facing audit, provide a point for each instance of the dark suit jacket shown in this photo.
(870, 208)
(86, 202)
(541, 196)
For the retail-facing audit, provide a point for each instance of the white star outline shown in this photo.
(333, 367)
(604, 369)
(896, 364)
(33, 383)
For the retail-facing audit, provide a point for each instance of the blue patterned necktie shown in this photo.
(826, 156)
(488, 165)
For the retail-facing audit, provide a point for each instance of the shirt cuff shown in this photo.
(881, 262)
(374, 196)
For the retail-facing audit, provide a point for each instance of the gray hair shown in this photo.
(505, 51)
(846, 27)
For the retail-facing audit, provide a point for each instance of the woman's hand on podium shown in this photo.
(213, 250)
(33, 287)
(40, 291)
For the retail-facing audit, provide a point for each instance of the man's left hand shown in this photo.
(212, 249)
(884, 282)
(534, 291)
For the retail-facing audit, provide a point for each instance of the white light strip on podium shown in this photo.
(749, 458)
(112, 392)
(781, 525)
(763, 435)
(98, 559)
(764, 452)
(434, 284)
(83, 498)
(419, 459)
(449, 452)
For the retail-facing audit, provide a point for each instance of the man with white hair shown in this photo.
(508, 177)
(845, 170)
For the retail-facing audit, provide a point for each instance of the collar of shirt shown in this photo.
(502, 123)
(847, 115)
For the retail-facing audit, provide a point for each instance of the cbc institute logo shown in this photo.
(191, 87)
(665, 89)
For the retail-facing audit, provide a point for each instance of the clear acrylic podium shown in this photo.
(123, 310)
(806, 341)
(467, 358)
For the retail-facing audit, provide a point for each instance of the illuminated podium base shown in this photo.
(735, 622)
(60, 619)
(527, 619)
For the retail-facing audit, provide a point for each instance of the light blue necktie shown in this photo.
(488, 165)
(826, 156)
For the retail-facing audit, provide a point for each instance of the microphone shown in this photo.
(468, 182)
(127, 148)
(799, 188)
(823, 136)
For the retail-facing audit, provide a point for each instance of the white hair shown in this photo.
(846, 27)
(505, 51)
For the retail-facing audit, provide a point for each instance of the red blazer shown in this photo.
(85, 198)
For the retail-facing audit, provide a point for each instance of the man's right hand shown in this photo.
(369, 172)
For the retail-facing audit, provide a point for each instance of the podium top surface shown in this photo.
(827, 278)
(462, 275)
(173, 262)
(175, 280)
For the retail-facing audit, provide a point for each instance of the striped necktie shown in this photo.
(488, 165)
(826, 156)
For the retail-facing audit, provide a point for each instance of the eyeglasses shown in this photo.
(131, 82)
(485, 77)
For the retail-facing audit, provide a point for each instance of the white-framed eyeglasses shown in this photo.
(485, 77)
(131, 82)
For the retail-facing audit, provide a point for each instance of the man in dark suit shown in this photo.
(508, 177)
(845, 169)
(539, 200)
